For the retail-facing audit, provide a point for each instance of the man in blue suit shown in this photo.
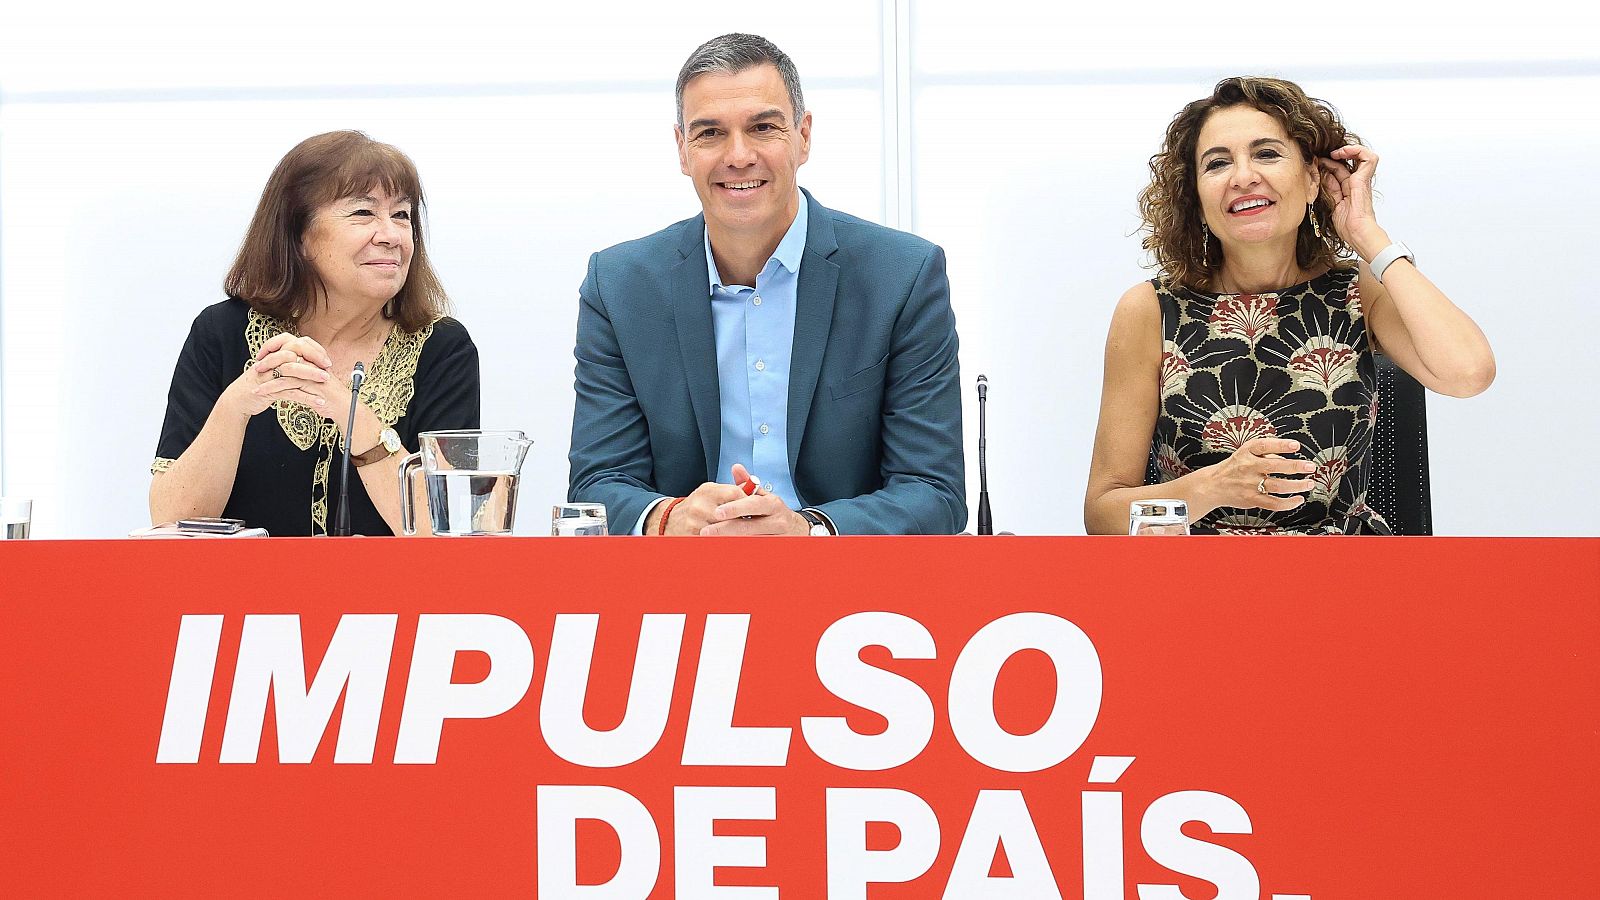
(769, 335)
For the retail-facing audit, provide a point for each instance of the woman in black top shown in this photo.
(332, 271)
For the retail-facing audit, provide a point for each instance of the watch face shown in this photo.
(390, 440)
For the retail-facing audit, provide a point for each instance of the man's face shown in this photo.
(741, 146)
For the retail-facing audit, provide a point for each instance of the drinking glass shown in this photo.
(16, 515)
(578, 520)
(1158, 517)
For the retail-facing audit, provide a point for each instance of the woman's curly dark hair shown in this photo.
(1170, 203)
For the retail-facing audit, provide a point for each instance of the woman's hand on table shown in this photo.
(1249, 478)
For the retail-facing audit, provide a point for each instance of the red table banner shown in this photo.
(1095, 718)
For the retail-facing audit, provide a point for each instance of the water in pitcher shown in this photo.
(14, 531)
(463, 502)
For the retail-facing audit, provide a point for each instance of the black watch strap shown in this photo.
(816, 521)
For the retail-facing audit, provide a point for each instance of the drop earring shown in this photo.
(1205, 244)
(1316, 228)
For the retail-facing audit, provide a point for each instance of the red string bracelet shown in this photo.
(667, 514)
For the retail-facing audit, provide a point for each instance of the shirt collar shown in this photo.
(788, 254)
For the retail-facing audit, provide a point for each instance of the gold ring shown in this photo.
(1261, 486)
(276, 374)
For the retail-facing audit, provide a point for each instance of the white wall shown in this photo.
(132, 151)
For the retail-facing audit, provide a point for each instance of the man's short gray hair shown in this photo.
(731, 54)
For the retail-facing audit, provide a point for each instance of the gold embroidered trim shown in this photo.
(389, 386)
(387, 390)
(161, 464)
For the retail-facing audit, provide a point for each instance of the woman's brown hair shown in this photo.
(273, 275)
(1170, 204)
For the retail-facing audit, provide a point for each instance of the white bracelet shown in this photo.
(1386, 258)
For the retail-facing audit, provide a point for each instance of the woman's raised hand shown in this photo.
(1349, 190)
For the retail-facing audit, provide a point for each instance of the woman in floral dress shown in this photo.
(1247, 364)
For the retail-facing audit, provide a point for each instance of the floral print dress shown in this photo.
(1294, 364)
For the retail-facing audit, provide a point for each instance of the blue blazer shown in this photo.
(874, 404)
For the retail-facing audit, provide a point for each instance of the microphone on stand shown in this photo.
(342, 526)
(985, 521)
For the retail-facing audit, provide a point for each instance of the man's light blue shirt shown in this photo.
(755, 339)
(754, 329)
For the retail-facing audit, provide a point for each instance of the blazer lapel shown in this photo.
(813, 319)
(690, 293)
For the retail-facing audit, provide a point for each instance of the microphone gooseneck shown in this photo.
(342, 526)
(985, 519)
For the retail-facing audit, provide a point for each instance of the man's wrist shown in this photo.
(650, 523)
(817, 523)
(666, 515)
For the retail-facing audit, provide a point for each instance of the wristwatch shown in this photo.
(387, 446)
(1387, 256)
(819, 526)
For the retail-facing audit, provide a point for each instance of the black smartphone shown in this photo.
(210, 525)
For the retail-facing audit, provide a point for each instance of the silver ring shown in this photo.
(276, 374)
(1261, 486)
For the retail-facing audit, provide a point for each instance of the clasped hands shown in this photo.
(723, 509)
(291, 368)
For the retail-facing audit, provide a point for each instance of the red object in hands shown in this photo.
(750, 486)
